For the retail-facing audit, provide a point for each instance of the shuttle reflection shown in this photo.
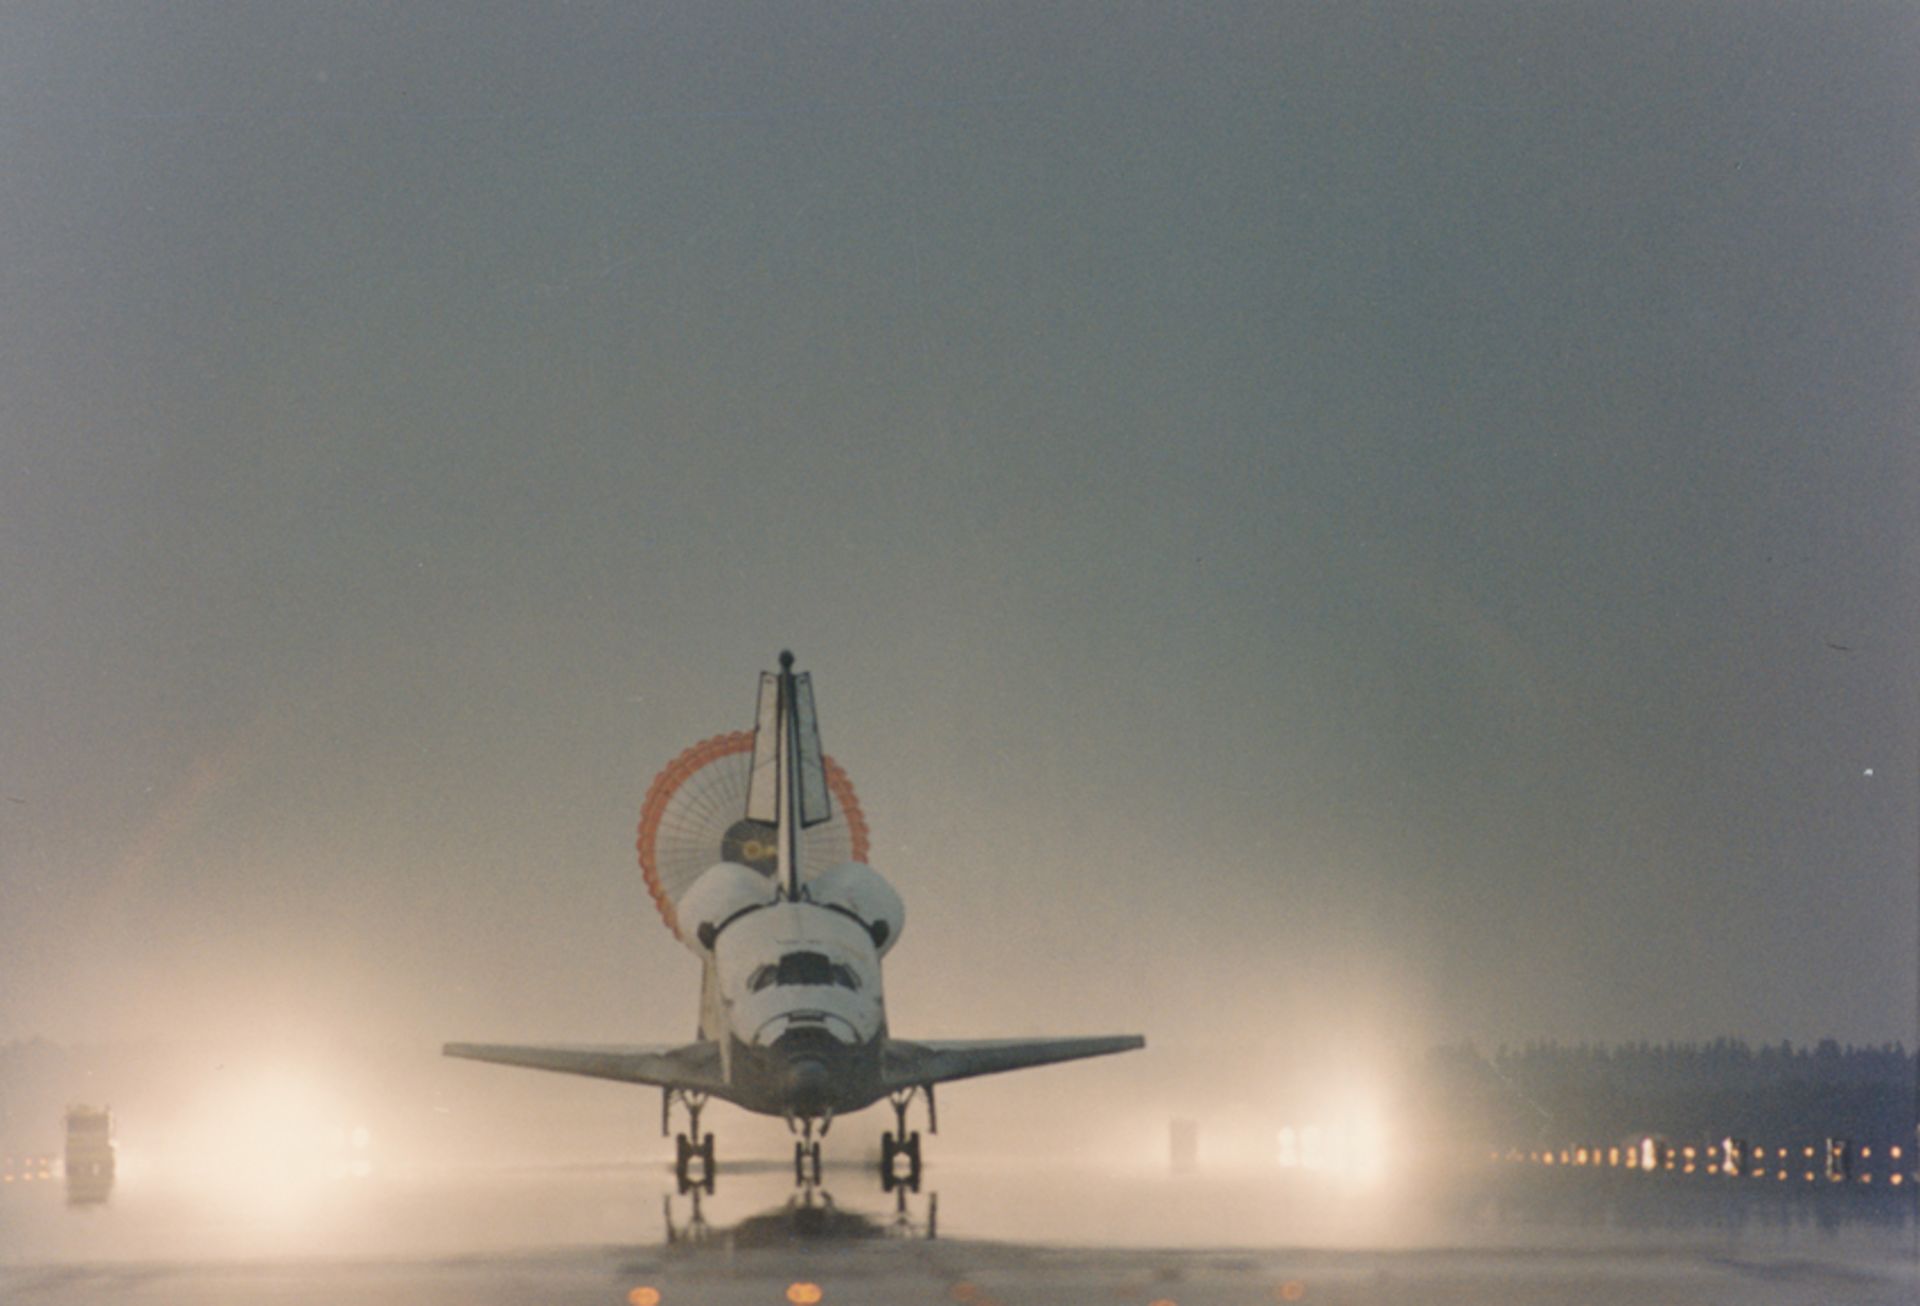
(809, 1216)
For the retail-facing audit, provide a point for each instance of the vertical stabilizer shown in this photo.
(815, 804)
(787, 835)
(763, 797)
(801, 797)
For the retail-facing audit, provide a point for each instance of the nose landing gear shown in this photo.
(806, 1163)
(806, 1152)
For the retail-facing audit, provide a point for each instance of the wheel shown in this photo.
(814, 1156)
(799, 1163)
(912, 1150)
(706, 1155)
(682, 1153)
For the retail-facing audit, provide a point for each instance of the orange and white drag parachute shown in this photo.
(695, 815)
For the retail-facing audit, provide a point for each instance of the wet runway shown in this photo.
(978, 1233)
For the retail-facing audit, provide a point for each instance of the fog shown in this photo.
(1315, 533)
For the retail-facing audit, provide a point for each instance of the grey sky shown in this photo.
(1398, 520)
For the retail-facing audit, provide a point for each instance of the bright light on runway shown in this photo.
(269, 1141)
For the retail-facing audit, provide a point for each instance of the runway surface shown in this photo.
(979, 1233)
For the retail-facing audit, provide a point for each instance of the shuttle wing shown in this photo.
(693, 1067)
(906, 1064)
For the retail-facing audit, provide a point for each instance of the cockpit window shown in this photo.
(803, 968)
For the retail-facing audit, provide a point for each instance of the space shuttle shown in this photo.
(753, 848)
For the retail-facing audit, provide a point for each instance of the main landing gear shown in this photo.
(806, 1152)
(690, 1146)
(900, 1151)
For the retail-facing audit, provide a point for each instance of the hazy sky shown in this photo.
(1303, 519)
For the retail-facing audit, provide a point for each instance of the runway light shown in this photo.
(963, 1291)
(804, 1294)
(1293, 1290)
(1896, 1179)
(1163, 1301)
(644, 1296)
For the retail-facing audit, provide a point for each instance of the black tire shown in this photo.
(706, 1154)
(814, 1156)
(682, 1153)
(912, 1149)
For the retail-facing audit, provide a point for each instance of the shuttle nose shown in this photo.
(807, 1084)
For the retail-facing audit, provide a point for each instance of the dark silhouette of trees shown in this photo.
(1547, 1090)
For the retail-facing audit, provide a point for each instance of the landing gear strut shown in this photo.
(806, 1163)
(901, 1145)
(691, 1145)
(806, 1152)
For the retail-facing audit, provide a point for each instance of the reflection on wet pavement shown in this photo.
(978, 1234)
(809, 1215)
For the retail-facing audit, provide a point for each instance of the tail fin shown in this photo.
(812, 796)
(815, 802)
(787, 786)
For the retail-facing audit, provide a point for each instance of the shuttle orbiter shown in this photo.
(753, 846)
